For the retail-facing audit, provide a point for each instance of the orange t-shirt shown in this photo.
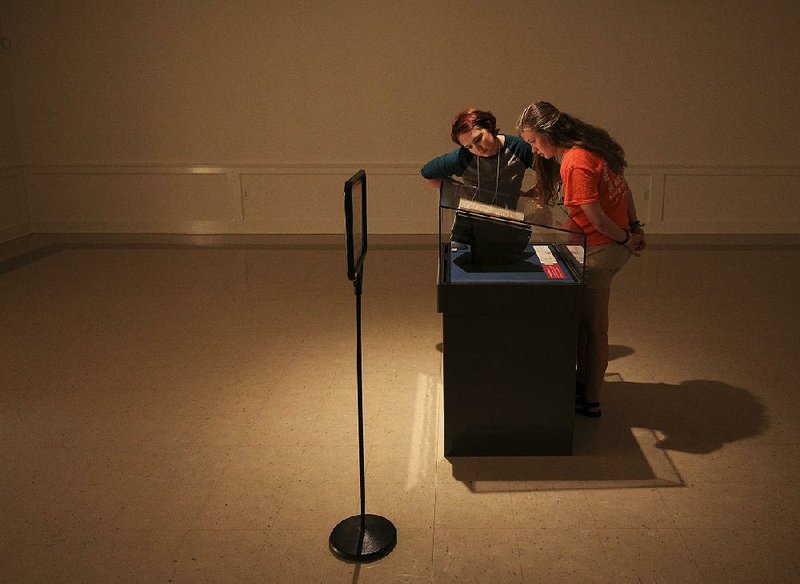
(586, 178)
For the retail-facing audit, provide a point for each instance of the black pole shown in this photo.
(362, 538)
(360, 389)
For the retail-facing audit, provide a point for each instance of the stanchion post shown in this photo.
(362, 537)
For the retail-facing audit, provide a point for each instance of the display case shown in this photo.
(495, 241)
(510, 289)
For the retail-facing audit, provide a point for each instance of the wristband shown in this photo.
(636, 225)
(626, 240)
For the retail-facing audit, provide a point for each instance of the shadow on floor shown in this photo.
(629, 446)
(697, 416)
(29, 257)
(619, 351)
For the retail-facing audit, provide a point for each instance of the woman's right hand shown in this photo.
(636, 242)
(642, 242)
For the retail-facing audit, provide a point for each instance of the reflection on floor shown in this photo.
(182, 413)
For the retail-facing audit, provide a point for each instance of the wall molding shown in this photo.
(187, 166)
(9, 171)
(14, 216)
(249, 198)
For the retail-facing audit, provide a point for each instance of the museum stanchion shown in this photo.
(362, 537)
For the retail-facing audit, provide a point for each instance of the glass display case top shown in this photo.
(454, 196)
(520, 225)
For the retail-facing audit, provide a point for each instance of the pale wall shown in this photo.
(13, 203)
(199, 116)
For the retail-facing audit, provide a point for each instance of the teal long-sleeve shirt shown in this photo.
(511, 161)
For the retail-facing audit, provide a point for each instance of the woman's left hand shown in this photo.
(642, 241)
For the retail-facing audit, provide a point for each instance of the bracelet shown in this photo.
(636, 225)
(627, 238)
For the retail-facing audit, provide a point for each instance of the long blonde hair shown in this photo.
(566, 131)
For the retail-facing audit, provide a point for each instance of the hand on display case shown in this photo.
(536, 208)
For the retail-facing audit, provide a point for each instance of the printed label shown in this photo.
(549, 263)
(545, 255)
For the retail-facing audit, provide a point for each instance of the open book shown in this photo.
(489, 210)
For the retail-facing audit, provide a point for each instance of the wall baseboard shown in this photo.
(14, 232)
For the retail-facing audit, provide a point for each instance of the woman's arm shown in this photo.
(602, 222)
(444, 166)
(605, 225)
(632, 217)
(633, 221)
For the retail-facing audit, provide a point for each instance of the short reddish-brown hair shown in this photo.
(470, 119)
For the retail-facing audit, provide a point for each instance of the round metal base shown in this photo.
(349, 543)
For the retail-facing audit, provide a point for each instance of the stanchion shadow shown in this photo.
(30, 257)
(629, 446)
(619, 351)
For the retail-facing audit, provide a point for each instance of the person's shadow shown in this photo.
(697, 416)
(641, 424)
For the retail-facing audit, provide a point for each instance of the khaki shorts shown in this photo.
(603, 262)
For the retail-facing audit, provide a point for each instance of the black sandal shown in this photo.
(588, 409)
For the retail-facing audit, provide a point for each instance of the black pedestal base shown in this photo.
(349, 543)
(508, 363)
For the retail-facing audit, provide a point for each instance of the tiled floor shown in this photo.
(171, 413)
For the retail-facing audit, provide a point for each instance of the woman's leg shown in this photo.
(580, 370)
(602, 263)
(596, 352)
